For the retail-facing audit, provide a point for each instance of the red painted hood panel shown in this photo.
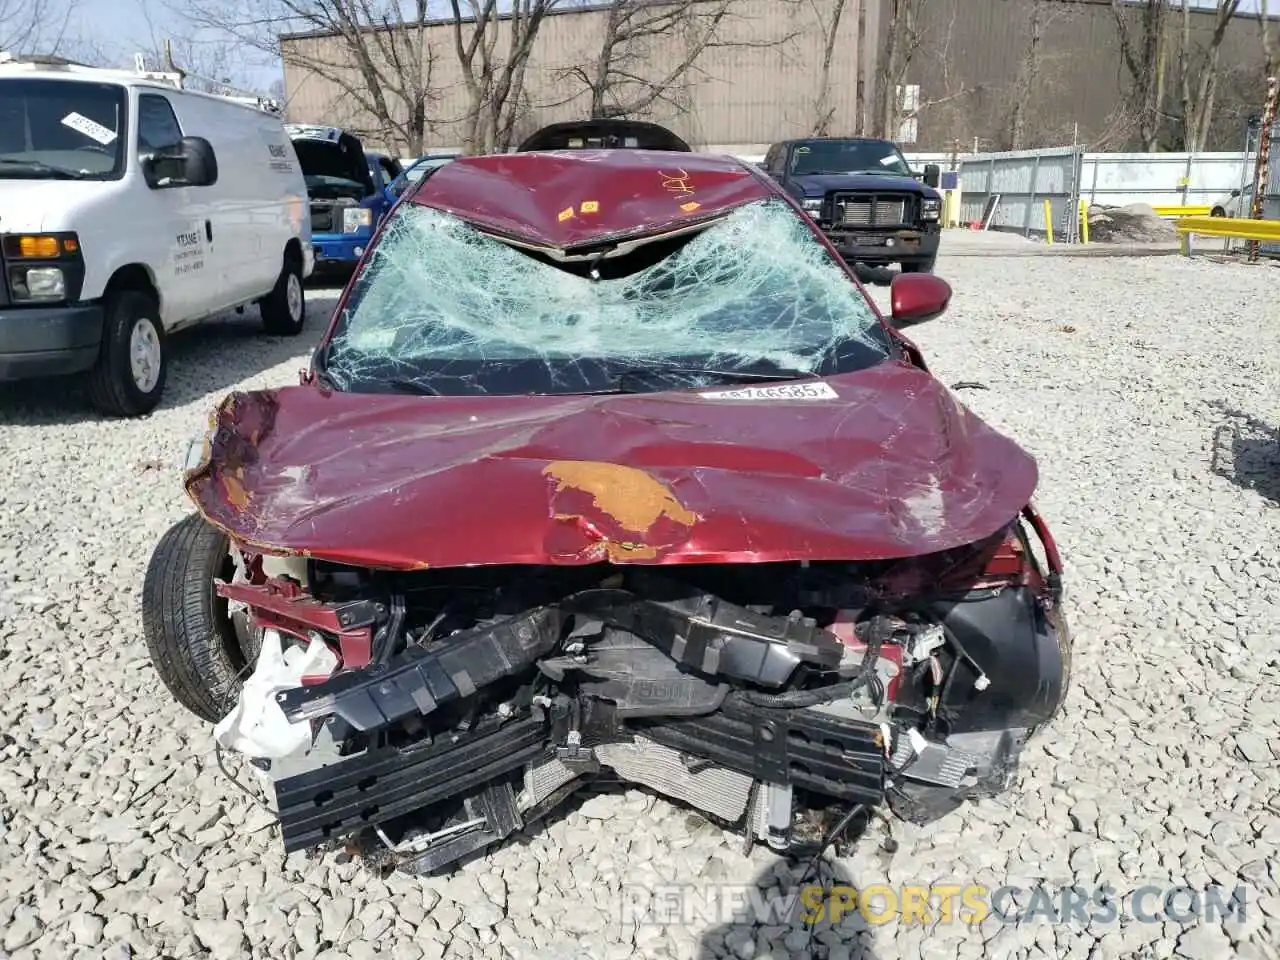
(894, 467)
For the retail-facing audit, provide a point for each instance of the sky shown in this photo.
(121, 28)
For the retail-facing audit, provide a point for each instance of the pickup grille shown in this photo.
(326, 215)
(873, 210)
(322, 216)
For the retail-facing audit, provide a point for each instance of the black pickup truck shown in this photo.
(865, 197)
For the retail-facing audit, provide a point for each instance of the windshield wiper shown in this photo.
(37, 166)
(409, 385)
(695, 378)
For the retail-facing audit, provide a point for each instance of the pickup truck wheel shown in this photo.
(284, 310)
(194, 644)
(128, 378)
(919, 266)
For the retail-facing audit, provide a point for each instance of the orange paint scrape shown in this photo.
(634, 499)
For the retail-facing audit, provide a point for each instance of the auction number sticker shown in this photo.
(90, 128)
(781, 391)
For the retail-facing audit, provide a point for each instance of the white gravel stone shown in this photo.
(1149, 391)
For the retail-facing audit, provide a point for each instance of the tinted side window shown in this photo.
(157, 126)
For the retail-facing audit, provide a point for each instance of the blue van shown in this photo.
(347, 189)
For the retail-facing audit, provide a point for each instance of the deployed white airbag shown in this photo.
(257, 727)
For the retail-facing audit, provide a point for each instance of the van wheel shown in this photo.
(194, 643)
(128, 378)
(284, 310)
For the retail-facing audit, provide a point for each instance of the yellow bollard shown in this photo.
(1084, 221)
(1048, 222)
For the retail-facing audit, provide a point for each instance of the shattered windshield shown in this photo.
(848, 156)
(441, 307)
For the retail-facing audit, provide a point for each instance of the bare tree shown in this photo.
(376, 53)
(1270, 55)
(1041, 15)
(34, 26)
(823, 110)
(208, 65)
(902, 41)
(1144, 48)
(1198, 74)
(651, 52)
(618, 81)
(495, 86)
(905, 39)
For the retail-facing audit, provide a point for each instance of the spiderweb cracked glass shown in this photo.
(754, 287)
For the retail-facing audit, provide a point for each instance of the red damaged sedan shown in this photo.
(608, 467)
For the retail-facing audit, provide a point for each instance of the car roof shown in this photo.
(795, 140)
(572, 198)
(648, 136)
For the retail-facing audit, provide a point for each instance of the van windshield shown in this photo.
(61, 130)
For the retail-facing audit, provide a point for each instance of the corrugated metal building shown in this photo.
(762, 83)
(753, 87)
(975, 54)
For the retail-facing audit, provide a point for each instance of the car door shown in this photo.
(184, 247)
(389, 169)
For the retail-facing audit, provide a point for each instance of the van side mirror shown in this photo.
(1235, 192)
(190, 163)
(932, 175)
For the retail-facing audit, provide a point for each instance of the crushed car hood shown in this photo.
(892, 466)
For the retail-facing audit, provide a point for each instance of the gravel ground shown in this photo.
(1155, 422)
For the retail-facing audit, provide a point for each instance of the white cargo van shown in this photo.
(130, 208)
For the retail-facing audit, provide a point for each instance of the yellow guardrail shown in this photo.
(1230, 227)
(1182, 211)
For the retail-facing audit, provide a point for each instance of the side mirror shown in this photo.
(191, 163)
(932, 174)
(1235, 192)
(917, 297)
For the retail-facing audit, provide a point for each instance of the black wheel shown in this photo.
(201, 653)
(1217, 212)
(128, 378)
(284, 310)
(919, 266)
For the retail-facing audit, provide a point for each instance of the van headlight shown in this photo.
(38, 283)
(355, 219)
(931, 209)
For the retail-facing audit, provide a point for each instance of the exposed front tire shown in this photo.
(919, 266)
(284, 310)
(194, 645)
(1217, 212)
(128, 378)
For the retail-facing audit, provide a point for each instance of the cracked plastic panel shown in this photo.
(754, 290)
